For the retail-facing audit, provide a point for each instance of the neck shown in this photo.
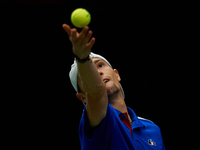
(118, 103)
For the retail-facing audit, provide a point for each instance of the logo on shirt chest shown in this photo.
(151, 142)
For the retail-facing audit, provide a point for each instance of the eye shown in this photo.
(100, 65)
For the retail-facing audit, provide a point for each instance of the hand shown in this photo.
(81, 43)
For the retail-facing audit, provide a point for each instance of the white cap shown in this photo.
(74, 71)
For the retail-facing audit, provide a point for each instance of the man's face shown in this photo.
(109, 76)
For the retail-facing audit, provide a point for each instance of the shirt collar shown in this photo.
(136, 123)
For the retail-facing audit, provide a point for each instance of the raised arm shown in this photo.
(96, 95)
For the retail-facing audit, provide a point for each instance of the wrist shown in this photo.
(84, 60)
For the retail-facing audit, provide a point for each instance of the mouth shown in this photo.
(105, 80)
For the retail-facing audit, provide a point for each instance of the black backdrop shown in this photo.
(139, 38)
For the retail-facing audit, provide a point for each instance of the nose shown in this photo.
(101, 73)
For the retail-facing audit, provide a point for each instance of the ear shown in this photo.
(117, 74)
(81, 97)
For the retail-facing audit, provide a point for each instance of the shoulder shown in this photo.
(143, 119)
(149, 124)
(110, 112)
(85, 130)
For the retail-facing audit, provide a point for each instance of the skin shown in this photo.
(94, 92)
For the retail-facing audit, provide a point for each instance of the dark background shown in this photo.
(141, 39)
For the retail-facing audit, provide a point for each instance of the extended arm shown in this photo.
(96, 95)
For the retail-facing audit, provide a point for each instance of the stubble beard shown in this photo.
(112, 92)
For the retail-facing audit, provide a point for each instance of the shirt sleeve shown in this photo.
(98, 135)
(88, 130)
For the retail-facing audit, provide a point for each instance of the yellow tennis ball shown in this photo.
(80, 17)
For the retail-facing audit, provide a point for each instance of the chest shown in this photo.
(135, 135)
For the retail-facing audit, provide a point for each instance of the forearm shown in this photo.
(87, 71)
(90, 78)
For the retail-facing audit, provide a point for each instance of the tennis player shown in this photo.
(106, 123)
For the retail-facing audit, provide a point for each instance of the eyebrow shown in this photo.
(96, 61)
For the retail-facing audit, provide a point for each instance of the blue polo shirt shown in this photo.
(113, 133)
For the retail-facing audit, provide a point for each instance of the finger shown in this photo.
(77, 34)
(73, 35)
(83, 32)
(87, 38)
(91, 43)
(67, 29)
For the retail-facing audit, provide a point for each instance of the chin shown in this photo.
(112, 89)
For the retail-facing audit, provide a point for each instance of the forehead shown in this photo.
(96, 60)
